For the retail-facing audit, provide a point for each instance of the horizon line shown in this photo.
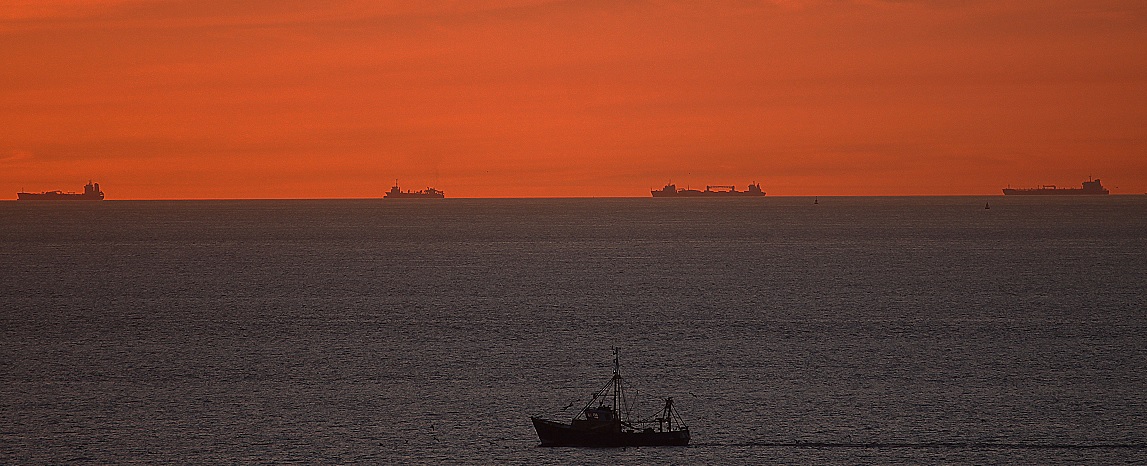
(539, 197)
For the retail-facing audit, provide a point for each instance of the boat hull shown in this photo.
(414, 196)
(695, 193)
(1053, 192)
(58, 197)
(556, 434)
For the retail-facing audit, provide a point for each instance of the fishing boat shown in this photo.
(605, 422)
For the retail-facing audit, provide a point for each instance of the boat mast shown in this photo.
(620, 403)
(616, 380)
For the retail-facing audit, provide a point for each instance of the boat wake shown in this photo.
(934, 445)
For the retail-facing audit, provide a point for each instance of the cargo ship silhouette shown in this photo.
(1089, 187)
(91, 193)
(428, 193)
(670, 190)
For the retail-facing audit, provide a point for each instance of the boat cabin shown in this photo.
(601, 419)
(600, 413)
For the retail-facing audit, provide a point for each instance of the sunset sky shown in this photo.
(175, 99)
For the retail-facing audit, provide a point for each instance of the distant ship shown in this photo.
(91, 193)
(670, 190)
(1089, 187)
(605, 422)
(428, 193)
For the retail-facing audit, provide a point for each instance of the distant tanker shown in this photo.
(91, 193)
(671, 190)
(428, 193)
(1089, 187)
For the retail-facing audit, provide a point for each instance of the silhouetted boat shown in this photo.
(428, 193)
(670, 190)
(605, 422)
(1089, 187)
(91, 193)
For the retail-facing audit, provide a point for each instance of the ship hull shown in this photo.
(556, 434)
(413, 196)
(1053, 192)
(707, 194)
(57, 197)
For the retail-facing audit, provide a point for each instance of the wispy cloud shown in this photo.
(12, 156)
(89, 14)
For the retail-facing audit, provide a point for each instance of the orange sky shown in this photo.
(158, 99)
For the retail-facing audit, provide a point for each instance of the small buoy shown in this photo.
(986, 206)
(815, 200)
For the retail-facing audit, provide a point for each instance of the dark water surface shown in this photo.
(882, 330)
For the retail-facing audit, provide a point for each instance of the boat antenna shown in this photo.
(616, 364)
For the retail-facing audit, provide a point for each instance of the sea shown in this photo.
(788, 330)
